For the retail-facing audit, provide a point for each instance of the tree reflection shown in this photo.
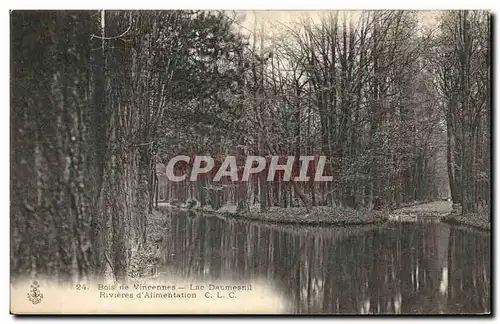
(421, 267)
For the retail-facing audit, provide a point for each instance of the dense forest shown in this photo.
(101, 99)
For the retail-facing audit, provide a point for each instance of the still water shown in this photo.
(397, 268)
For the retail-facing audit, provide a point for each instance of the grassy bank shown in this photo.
(317, 215)
(480, 219)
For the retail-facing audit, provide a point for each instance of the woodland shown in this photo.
(101, 100)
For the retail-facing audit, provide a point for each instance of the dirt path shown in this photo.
(432, 209)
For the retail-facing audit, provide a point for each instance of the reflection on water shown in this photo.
(422, 267)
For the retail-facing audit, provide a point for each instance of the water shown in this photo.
(408, 268)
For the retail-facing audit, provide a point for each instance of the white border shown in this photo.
(256, 4)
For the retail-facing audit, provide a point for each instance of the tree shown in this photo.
(462, 71)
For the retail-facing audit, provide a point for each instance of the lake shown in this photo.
(423, 267)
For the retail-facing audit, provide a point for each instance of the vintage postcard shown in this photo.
(250, 162)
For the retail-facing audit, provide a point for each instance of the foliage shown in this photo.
(99, 98)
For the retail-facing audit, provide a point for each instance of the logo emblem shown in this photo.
(35, 296)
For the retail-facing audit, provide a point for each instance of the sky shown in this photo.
(275, 19)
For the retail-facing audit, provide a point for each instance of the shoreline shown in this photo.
(480, 219)
(325, 216)
(297, 219)
(144, 260)
(328, 216)
(477, 221)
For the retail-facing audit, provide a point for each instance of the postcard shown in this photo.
(250, 162)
